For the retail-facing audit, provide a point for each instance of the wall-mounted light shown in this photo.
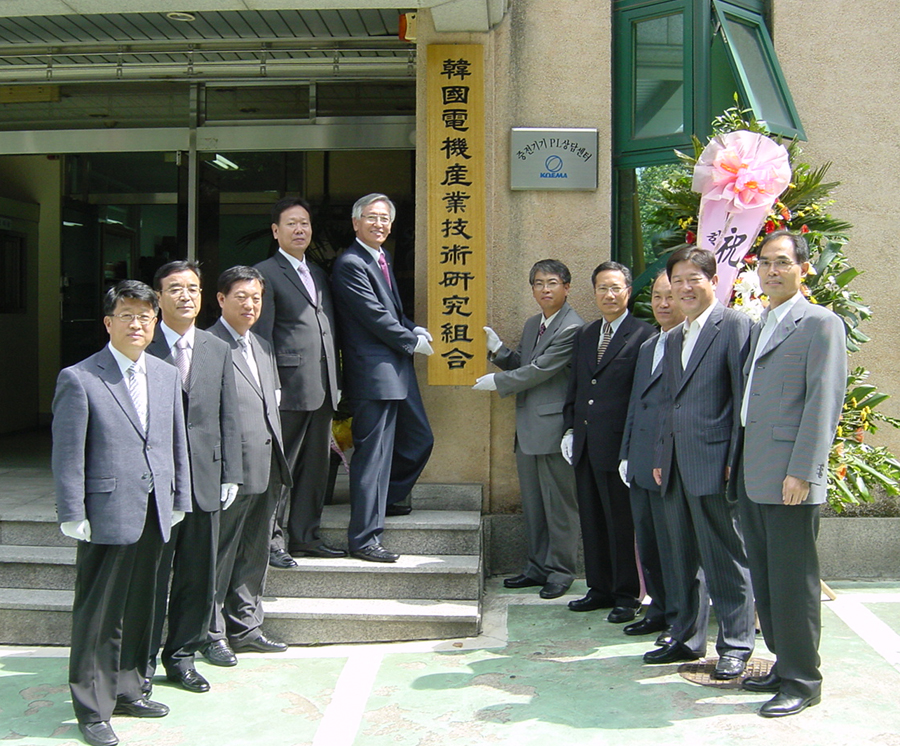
(407, 30)
(176, 15)
(223, 164)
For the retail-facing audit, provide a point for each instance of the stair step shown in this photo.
(412, 576)
(420, 532)
(466, 496)
(52, 568)
(42, 617)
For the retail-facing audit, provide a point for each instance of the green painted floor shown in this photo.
(539, 674)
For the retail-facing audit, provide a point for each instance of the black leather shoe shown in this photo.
(728, 667)
(260, 644)
(553, 590)
(98, 734)
(771, 682)
(784, 704)
(375, 553)
(665, 637)
(520, 581)
(140, 708)
(674, 652)
(622, 614)
(219, 653)
(397, 509)
(645, 626)
(189, 679)
(280, 558)
(323, 550)
(591, 602)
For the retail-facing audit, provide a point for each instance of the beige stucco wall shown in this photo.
(841, 63)
(547, 65)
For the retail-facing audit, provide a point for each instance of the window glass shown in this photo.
(659, 76)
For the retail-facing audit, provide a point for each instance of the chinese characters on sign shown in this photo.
(457, 282)
(552, 158)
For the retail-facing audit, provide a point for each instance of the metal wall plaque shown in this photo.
(559, 158)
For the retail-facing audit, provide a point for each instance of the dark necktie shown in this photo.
(604, 343)
(382, 262)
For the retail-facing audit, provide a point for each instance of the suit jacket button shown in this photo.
(593, 381)
(268, 440)
(145, 476)
(590, 401)
(585, 422)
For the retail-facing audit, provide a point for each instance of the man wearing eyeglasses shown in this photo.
(214, 444)
(603, 362)
(537, 372)
(120, 466)
(795, 379)
(391, 436)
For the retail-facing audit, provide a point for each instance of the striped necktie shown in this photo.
(604, 343)
(182, 361)
(134, 391)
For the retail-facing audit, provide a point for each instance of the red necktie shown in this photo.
(382, 262)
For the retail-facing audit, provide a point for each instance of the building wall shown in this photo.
(845, 88)
(547, 65)
(27, 387)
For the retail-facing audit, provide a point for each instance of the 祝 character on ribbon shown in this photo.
(739, 176)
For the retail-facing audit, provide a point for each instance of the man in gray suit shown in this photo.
(214, 447)
(297, 319)
(704, 360)
(537, 372)
(120, 466)
(245, 528)
(636, 469)
(796, 377)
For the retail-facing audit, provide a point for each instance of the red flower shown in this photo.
(690, 237)
(770, 225)
(804, 228)
(785, 213)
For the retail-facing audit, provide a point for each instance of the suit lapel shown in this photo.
(619, 338)
(198, 356)
(654, 375)
(294, 277)
(159, 347)
(244, 367)
(377, 275)
(786, 327)
(111, 375)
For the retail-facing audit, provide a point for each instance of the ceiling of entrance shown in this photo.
(345, 43)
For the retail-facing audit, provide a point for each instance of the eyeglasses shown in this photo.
(549, 285)
(614, 289)
(373, 219)
(241, 298)
(128, 318)
(779, 264)
(177, 290)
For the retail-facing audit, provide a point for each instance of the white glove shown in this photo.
(493, 341)
(228, 493)
(177, 517)
(423, 347)
(566, 446)
(421, 331)
(80, 530)
(485, 383)
(623, 472)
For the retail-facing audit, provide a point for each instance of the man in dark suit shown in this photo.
(603, 361)
(120, 466)
(391, 436)
(636, 469)
(214, 445)
(704, 359)
(796, 378)
(245, 528)
(537, 372)
(297, 319)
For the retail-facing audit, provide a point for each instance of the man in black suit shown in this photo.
(603, 360)
(214, 445)
(391, 436)
(245, 528)
(704, 359)
(297, 319)
(119, 497)
(795, 383)
(636, 469)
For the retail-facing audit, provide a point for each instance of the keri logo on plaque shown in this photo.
(559, 158)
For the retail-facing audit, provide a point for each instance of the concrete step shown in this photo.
(420, 532)
(430, 496)
(42, 617)
(412, 576)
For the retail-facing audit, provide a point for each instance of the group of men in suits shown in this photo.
(188, 454)
(706, 445)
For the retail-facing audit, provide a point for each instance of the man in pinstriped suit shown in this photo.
(704, 361)
(796, 379)
(245, 528)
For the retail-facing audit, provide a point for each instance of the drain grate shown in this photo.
(701, 673)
